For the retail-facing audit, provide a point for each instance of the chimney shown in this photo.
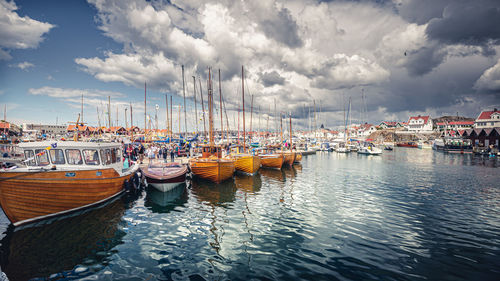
(495, 110)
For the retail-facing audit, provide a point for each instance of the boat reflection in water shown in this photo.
(212, 193)
(291, 172)
(277, 175)
(164, 202)
(247, 183)
(72, 247)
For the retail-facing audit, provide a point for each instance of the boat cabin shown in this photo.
(75, 155)
(207, 151)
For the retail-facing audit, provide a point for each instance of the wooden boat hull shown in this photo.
(274, 161)
(166, 179)
(248, 164)
(30, 196)
(289, 158)
(215, 170)
(298, 157)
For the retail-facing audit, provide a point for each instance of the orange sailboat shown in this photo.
(268, 159)
(245, 162)
(211, 165)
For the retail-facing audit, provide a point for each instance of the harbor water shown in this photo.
(408, 214)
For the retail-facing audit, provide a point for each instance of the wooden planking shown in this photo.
(213, 169)
(298, 157)
(272, 161)
(247, 163)
(31, 195)
(289, 158)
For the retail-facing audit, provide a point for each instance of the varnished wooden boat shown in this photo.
(298, 157)
(215, 169)
(274, 161)
(211, 166)
(165, 176)
(289, 157)
(247, 163)
(58, 180)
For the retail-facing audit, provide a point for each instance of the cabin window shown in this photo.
(42, 157)
(74, 157)
(91, 157)
(118, 155)
(113, 155)
(57, 156)
(29, 154)
(108, 156)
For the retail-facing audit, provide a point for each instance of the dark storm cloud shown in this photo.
(282, 28)
(422, 11)
(271, 78)
(470, 23)
(424, 60)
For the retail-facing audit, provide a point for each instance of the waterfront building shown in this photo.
(488, 119)
(483, 137)
(45, 129)
(365, 130)
(388, 125)
(454, 125)
(420, 124)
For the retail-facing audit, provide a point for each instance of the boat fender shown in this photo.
(136, 181)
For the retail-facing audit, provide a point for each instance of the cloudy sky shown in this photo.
(392, 59)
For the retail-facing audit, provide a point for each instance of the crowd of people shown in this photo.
(137, 152)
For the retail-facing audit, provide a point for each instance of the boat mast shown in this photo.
(275, 117)
(210, 109)
(243, 101)
(184, 94)
(125, 115)
(145, 123)
(281, 132)
(131, 125)
(203, 111)
(290, 132)
(166, 119)
(220, 104)
(171, 118)
(82, 107)
(131, 120)
(195, 106)
(251, 117)
(109, 112)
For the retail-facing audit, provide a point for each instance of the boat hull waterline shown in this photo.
(215, 170)
(166, 177)
(31, 196)
(273, 161)
(247, 164)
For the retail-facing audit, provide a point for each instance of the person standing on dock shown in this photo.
(172, 155)
(141, 153)
(164, 152)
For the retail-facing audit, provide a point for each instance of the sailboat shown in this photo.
(245, 162)
(211, 165)
(289, 156)
(343, 147)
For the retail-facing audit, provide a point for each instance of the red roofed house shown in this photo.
(488, 119)
(420, 124)
(454, 125)
(118, 130)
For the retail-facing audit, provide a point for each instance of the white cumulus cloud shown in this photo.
(18, 32)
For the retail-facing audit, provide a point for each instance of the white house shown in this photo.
(365, 130)
(420, 124)
(488, 119)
